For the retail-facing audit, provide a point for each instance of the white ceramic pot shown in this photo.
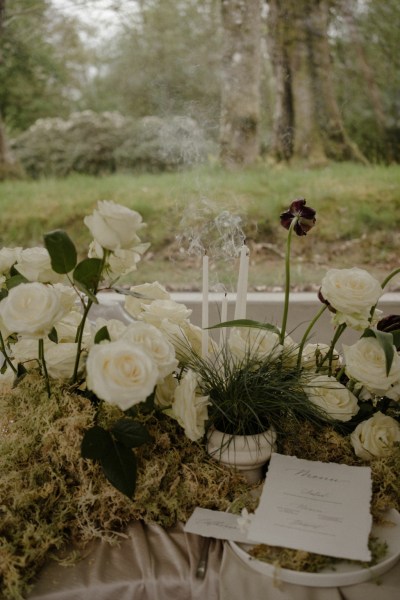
(246, 453)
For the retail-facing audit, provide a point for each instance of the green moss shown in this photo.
(51, 497)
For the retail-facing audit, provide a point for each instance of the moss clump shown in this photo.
(50, 496)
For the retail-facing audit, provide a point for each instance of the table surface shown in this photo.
(153, 564)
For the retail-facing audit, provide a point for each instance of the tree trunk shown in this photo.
(3, 145)
(240, 93)
(301, 27)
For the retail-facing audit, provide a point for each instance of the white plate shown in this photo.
(345, 573)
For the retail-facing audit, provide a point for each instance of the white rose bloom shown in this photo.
(32, 309)
(352, 293)
(190, 409)
(165, 391)
(60, 359)
(35, 265)
(314, 354)
(333, 397)
(120, 373)
(113, 226)
(8, 257)
(365, 363)
(260, 343)
(158, 310)
(120, 262)
(375, 437)
(155, 344)
(186, 337)
(150, 292)
(26, 349)
(115, 328)
(291, 351)
(67, 328)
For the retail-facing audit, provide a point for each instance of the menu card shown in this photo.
(318, 507)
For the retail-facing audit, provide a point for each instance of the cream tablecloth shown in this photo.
(153, 564)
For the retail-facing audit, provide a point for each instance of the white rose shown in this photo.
(26, 349)
(186, 337)
(115, 328)
(8, 257)
(113, 226)
(119, 262)
(314, 354)
(333, 397)
(158, 310)
(352, 293)
(67, 328)
(375, 437)
(258, 343)
(150, 292)
(32, 309)
(120, 373)
(190, 409)
(165, 391)
(366, 363)
(60, 359)
(35, 265)
(155, 344)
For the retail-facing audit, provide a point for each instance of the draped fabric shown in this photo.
(150, 564)
(154, 564)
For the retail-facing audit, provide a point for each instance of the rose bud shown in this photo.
(304, 215)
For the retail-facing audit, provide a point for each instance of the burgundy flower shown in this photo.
(304, 215)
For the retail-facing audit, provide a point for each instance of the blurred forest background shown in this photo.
(259, 100)
(156, 84)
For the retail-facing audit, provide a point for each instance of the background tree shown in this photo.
(367, 75)
(308, 123)
(42, 63)
(240, 88)
(165, 60)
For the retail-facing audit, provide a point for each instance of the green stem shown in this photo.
(6, 357)
(79, 340)
(307, 332)
(287, 281)
(86, 310)
(43, 366)
(329, 354)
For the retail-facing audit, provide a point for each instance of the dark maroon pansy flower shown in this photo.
(305, 217)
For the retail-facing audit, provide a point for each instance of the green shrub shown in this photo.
(101, 143)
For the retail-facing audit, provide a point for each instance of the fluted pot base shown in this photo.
(246, 453)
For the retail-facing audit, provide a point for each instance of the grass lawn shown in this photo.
(358, 219)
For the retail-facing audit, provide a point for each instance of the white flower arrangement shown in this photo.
(157, 361)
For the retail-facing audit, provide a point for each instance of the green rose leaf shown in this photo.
(246, 323)
(120, 468)
(53, 336)
(87, 276)
(385, 340)
(96, 443)
(102, 335)
(62, 251)
(15, 280)
(3, 293)
(130, 433)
